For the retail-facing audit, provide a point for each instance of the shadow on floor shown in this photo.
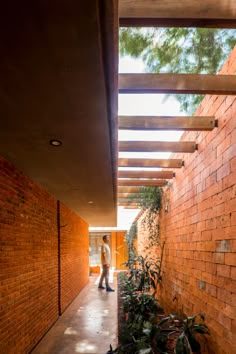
(89, 324)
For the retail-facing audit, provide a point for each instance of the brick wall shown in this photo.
(29, 260)
(199, 266)
(74, 255)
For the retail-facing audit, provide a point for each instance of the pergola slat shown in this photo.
(157, 146)
(176, 22)
(131, 196)
(128, 200)
(142, 182)
(178, 83)
(163, 163)
(146, 174)
(166, 123)
(129, 206)
(127, 189)
(185, 13)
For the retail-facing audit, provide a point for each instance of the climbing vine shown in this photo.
(150, 201)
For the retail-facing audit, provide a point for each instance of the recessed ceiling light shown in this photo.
(90, 202)
(55, 142)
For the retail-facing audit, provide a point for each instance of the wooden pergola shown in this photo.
(167, 13)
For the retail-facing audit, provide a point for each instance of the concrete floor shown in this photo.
(89, 324)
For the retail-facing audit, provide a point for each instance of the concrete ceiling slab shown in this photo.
(59, 76)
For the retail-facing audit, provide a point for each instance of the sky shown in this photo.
(142, 104)
(145, 104)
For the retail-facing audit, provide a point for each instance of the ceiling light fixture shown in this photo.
(55, 142)
(90, 202)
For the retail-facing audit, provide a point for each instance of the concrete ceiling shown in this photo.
(58, 67)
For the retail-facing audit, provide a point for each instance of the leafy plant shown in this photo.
(144, 272)
(130, 237)
(140, 308)
(189, 328)
(142, 333)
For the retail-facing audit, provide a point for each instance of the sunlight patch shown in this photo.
(70, 330)
(85, 347)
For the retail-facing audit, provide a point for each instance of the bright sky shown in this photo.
(142, 104)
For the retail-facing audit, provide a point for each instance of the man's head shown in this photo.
(106, 238)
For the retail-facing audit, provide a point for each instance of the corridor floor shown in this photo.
(89, 324)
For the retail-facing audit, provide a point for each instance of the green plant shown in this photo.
(150, 201)
(142, 333)
(144, 272)
(131, 235)
(189, 328)
(140, 309)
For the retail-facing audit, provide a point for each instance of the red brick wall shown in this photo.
(74, 255)
(29, 260)
(199, 266)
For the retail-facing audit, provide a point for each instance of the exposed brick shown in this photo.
(211, 289)
(202, 284)
(233, 165)
(219, 234)
(223, 246)
(29, 260)
(223, 270)
(230, 259)
(229, 180)
(230, 284)
(233, 272)
(233, 217)
(224, 145)
(211, 224)
(230, 232)
(206, 235)
(210, 267)
(224, 320)
(223, 221)
(219, 257)
(225, 296)
(208, 179)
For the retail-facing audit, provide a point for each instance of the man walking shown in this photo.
(105, 261)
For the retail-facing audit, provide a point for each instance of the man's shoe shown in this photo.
(110, 289)
(101, 287)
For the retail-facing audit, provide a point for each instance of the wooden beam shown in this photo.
(146, 174)
(166, 123)
(135, 206)
(178, 83)
(156, 146)
(129, 200)
(185, 13)
(128, 195)
(164, 163)
(177, 22)
(142, 182)
(127, 189)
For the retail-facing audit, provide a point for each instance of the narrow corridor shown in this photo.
(89, 324)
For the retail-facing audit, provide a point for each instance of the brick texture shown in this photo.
(29, 285)
(74, 255)
(199, 263)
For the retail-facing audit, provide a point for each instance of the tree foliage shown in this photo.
(179, 50)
